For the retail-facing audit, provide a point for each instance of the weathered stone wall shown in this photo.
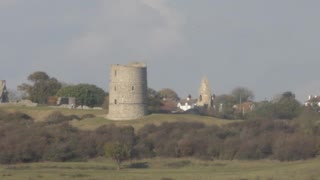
(3, 92)
(204, 93)
(127, 91)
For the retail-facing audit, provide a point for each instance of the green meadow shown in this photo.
(165, 169)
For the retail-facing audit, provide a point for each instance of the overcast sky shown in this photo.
(268, 46)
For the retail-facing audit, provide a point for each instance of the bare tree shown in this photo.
(242, 94)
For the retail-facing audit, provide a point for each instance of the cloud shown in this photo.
(140, 28)
(7, 3)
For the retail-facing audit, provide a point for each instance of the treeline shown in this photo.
(23, 140)
(42, 88)
(283, 106)
(254, 139)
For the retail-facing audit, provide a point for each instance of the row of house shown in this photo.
(313, 101)
(205, 99)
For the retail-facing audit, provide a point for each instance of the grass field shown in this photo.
(166, 169)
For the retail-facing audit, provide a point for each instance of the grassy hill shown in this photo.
(41, 112)
(156, 119)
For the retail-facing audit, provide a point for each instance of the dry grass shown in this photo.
(156, 119)
(41, 112)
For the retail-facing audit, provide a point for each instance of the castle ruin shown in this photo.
(3, 92)
(205, 96)
(127, 91)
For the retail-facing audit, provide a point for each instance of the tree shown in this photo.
(15, 95)
(287, 107)
(152, 93)
(118, 152)
(38, 76)
(243, 94)
(224, 105)
(168, 94)
(43, 86)
(153, 101)
(264, 110)
(85, 94)
(284, 106)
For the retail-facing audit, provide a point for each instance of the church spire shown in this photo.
(204, 93)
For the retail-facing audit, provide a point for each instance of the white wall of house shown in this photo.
(185, 107)
(310, 97)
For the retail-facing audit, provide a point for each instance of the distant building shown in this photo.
(187, 104)
(3, 92)
(312, 101)
(168, 106)
(206, 98)
(70, 101)
(244, 107)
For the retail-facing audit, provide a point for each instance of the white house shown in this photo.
(186, 104)
(313, 101)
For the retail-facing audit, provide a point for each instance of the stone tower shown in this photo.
(3, 92)
(127, 91)
(205, 96)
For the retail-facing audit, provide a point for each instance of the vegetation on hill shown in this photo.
(85, 94)
(41, 88)
(242, 94)
(153, 101)
(54, 139)
(284, 106)
(168, 94)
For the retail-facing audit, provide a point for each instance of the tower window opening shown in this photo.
(132, 88)
(115, 73)
(115, 88)
(115, 101)
(200, 98)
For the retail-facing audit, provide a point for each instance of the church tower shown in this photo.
(205, 98)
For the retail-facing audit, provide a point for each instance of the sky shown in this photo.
(267, 46)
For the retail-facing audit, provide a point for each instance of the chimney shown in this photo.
(189, 97)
